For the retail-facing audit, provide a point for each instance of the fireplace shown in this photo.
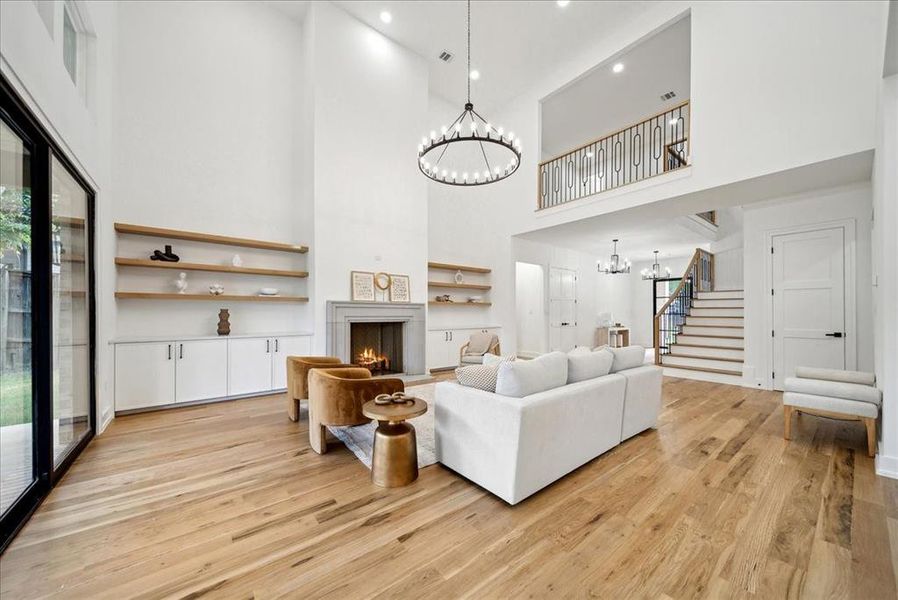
(377, 346)
(392, 332)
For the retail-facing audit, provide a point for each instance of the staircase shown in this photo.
(710, 344)
(699, 332)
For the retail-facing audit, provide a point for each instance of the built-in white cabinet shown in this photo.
(144, 375)
(201, 370)
(153, 373)
(444, 345)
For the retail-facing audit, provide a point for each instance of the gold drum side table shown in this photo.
(395, 459)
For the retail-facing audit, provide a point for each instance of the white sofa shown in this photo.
(514, 447)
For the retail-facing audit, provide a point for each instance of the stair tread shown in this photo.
(718, 307)
(708, 335)
(706, 346)
(705, 369)
(710, 317)
(716, 326)
(736, 360)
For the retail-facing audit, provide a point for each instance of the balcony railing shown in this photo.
(654, 146)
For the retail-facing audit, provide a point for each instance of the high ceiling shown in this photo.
(603, 101)
(513, 44)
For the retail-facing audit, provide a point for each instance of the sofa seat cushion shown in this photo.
(588, 365)
(628, 357)
(829, 404)
(836, 375)
(525, 377)
(834, 389)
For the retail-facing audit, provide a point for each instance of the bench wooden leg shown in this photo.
(787, 422)
(871, 436)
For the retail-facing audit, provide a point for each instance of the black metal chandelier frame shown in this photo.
(614, 266)
(453, 134)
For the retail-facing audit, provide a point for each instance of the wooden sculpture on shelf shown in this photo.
(224, 322)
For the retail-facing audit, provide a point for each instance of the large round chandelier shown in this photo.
(470, 150)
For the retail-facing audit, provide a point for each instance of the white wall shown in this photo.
(641, 318)
(532, 313)
(370, 102)
(823, 206)
(885, 259)
(207, 138)
(727, 250)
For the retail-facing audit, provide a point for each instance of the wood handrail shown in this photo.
(687, 273)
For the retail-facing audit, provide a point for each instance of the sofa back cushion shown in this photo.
(628, 357)
(524, 377)
(588, 365)
(493, 360)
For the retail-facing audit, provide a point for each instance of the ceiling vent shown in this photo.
(668, 95)
(446, 56)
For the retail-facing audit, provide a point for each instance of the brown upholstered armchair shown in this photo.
(336, 397)
(298, 368)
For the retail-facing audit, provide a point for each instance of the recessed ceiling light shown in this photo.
(386, 17)
(618, 67)
(562, 3)
(475, 74)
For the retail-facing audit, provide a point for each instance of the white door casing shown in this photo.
(809, 307)
(562, 309)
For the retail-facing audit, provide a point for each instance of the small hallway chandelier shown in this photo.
(614, 266)
(655, 272)
(469, 151)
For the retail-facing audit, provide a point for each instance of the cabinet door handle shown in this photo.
(267, 346)
(169, 352)
(276, 345)
(181, 351)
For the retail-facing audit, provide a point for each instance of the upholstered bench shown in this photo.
(847, 395)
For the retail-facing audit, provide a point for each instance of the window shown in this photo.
(69, 45)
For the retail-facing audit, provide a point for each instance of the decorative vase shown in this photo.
(236, 261)
(224, 324)
(181, 283)
(459, 278)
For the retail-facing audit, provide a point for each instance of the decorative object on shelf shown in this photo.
(394, 398)
(443, 298)
(400, 290)
(167, 256)
(655, 272)
(181, 283)
(269, 291)
(224, 322)
(469, 137)
(236, 261)
(459, 277)
(362, 286)
(614, 266)
(475, 298)
(383, 281)
(216, 289)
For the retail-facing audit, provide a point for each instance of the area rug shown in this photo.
(360, 439)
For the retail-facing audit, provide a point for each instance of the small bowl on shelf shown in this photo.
(475, 298)
(267, 291)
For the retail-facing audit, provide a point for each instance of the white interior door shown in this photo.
(562, 309)
(202, 370)
(808, 301)
(530, 304)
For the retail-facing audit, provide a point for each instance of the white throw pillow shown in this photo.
(590, 365)
(579, 351)
(525, 377)
(627, 357)
(481, 377)
(490, 359)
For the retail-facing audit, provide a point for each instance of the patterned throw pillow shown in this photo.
(481, 377)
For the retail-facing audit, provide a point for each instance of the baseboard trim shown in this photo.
(887, 466)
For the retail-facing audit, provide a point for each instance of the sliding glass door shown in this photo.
(47, 413)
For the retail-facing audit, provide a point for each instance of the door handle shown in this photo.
(835, 334)
(181, 351)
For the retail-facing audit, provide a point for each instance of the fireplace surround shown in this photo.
(403, 320)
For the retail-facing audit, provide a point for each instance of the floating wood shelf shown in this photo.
(182, 266)
(435, 303)
(451, 267)
(74, 258)
(177, 234)
(73, 222)
(459, 286)
(220, 298)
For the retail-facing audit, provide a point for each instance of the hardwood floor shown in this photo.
(227, 500)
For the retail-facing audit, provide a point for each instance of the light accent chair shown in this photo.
(298, 368)
(336, 397)
(476, 346)
(846, 395)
